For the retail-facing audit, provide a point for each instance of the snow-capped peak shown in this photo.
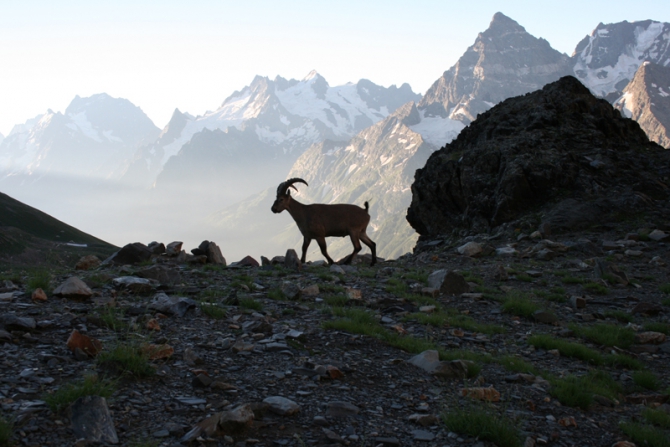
(311, 75)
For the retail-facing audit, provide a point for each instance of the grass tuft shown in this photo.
(579, 391)
(606, 334)
(41, 279)
(484, 424)
(657, 417)
(596, 288)
(126, 358)
(90, 386)
(646, 379)
(566, 348)
(213, 310)
(6, 429)
(520, 305)
(658, 327)
(645, 435)
(250, 303)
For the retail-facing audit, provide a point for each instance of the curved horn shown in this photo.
(283, 187)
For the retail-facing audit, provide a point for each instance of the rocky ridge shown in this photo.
(269, 354)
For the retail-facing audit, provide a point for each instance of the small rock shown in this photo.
(633, 253)
(424, 420)
(647, 308)
(506, 251)
(13, 322)
(247, 261)
(422, 435)
(281, 405)
(156, 352)
(542, 316)
(500, 273)
(171, 305)
(39, 295)
(87, 263)
(90, 346)
(290, 290)
(449, 283)
(337, 269)
(649, 337)
(577, 302)
(292, 261)
(353, 294)
(241, 346)
(173, 248)
(489, 394)
(91, 420)
(311, 290)
(341, 409)
(657, 235)
(471, 249)
(140, 286)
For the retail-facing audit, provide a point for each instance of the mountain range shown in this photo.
(352, 143)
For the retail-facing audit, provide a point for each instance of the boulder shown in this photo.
(134, 253)
(173, 248)
(247, 261)
(134, 284)
(171, 305)
(157, 248)
(535, 154)
(214, 255)
(161, 273)
(471, 249)
(92, 421)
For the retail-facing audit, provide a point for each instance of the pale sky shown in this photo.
(191, 55)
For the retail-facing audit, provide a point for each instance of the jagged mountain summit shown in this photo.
(283, 116)
(504, 61)
(646, 99)
(606, 60)
(93, 137)
(558, 154)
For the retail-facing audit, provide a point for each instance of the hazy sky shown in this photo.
(191, 55)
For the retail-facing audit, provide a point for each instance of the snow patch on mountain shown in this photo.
(436, 130)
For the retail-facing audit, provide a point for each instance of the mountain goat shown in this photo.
(319, 221)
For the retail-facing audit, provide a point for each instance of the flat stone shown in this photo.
(657, 235)
(422, 435)
(650, 337)
(15, 323)
(471, 249)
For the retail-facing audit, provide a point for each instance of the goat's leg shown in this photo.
(357, 248)
(305, 244)
(373, 247)
(322, 245)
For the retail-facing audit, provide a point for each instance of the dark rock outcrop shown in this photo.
(559, 153)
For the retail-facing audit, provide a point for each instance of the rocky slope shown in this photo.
(275, 356)
(646, 99)
(558, 154)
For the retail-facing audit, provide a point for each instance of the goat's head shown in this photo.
(284, 195)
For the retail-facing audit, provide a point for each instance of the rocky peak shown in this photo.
(504, 61)
(559, 152)
(646, 99)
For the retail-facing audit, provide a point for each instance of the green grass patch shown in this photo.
(578, 392)
(525, 277)
(645, 435)
(396, 286)
(657, 417)
(277, 294)
(647, 379)
(470, 277)
(330, 288)
(567, 349)
(251, 304)
(623, 361)
(90, 386)
(325, 277)
(569, 279)
(212, 309)
(420, 276)
(555, 294)
(520, 305)
(657, 327)
(619, 315)
(485, 424)
(518, 365)
(6, 429)
(665, 288)
(596, 288)
(336, 300)
(126, 359)
(40, 279)
(455, 319)
(112, 318)
(606, 334)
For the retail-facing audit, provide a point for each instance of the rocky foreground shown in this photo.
(283, 354)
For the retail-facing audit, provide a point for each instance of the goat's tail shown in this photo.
(367, 206)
